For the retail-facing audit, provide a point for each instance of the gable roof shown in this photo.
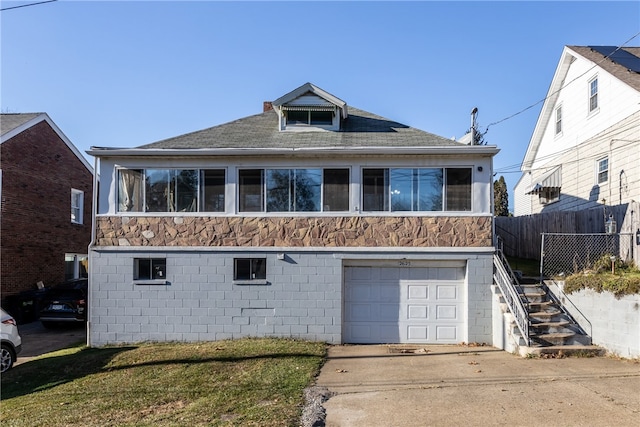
(16, 123)
(311, 88)
(610, 63)
(9, 122)
(361, 129)
(589, 53)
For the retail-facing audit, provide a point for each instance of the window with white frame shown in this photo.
(77, 206)
(171, 190)
(212, 190)
(75, 266)
(423, 189)
(603, 170)
(293, 190)
(309, 117)
(593, 94)
(559, 120)
(549, 195)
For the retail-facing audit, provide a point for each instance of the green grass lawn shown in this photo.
(249, 382)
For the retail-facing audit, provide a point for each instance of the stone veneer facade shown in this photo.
(350, 232)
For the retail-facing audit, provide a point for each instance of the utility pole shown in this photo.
(474, 113)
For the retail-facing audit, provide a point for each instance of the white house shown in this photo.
(312, 220)
(585, 148)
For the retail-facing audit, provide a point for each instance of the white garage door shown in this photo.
(404, 305)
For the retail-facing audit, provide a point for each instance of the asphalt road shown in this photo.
(38, 340)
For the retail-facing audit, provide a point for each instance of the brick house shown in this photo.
(312, 220)
(46, 192)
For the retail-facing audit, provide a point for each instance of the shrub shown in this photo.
(603, 264)
(625, 280)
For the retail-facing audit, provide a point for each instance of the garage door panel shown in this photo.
(404, 305)
(447, 292)
(360, 332)
(447, 312)
(363, 292)
(359, 312)
(418, 312)
(389, 333)
(418, 292)
(389, 273)
(446, 274)
(447, 334)
(366, 312)
(388, 312)
(366, 333)
(390, 293)
(417, 273)
(418, 333)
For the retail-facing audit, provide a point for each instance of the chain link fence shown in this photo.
(572, 253)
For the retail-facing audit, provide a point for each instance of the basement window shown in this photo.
(250, 271)
(150, 271)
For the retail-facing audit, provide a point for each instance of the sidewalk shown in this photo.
(460, 385)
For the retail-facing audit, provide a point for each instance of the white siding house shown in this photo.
(312, 220)
(585, 148)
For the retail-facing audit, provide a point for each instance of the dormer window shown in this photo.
(309, 116)
(309, 108)
(321, 118)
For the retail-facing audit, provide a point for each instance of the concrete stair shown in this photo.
(565, 350)
(551, 330)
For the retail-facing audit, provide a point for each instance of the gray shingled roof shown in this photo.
(9, 122)
(360, 129)
(620, 72)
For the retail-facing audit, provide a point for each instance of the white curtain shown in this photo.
(130, 181)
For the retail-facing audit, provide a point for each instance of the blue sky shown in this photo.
(127, 73)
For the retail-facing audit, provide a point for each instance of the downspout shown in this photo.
(610, 180)
(94, 210)
(492, 207)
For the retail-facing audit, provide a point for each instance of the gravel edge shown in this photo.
(314, 414)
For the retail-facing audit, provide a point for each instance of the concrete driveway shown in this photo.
(38, 340)
(475, 386)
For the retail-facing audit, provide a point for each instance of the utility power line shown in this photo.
(26, 5)
(564, 86)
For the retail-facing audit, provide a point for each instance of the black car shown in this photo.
(65, 303)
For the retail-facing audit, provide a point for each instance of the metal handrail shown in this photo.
(564, 308)
(512, 293)
(500, 239)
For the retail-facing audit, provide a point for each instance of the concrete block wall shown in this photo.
(479, 299)
(302, 298)
(615, 322)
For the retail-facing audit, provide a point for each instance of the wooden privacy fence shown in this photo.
(521, 235)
